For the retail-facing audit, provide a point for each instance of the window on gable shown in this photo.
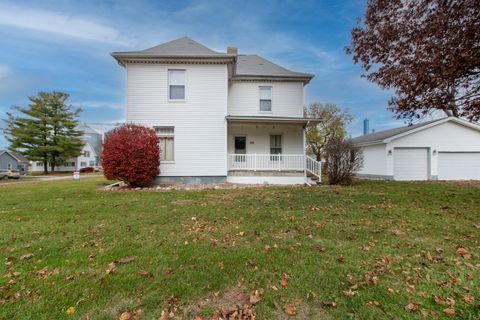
(176, 84)
(166, 144)
(86, 154)
(265, 98)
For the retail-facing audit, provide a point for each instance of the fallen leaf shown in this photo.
(449, 311)
(147, 274)
(126, 260)
(26, 256)
(111, 268)
(274, 288)
(366, 248)
(349, 293)
(467, 299)
(70, 310)
(284, 283)
(330, 304)
(125, 316)
(290, 310)
(462, 251)
(411, 307)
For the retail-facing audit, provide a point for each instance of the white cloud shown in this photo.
(98, 105)
(59, 23)
(4, 71)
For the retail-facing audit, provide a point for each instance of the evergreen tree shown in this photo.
(45, 130)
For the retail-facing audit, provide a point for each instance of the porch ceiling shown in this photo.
(257, 119)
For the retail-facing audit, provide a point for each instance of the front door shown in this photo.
(240, 143)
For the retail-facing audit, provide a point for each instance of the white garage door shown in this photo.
(410, 163)
(459, 165)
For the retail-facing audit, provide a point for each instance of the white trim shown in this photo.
(260, 98)
(433, 124)
(184, 100)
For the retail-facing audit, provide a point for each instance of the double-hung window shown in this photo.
(176, 85)
(166, 144)
(266, 99)
(86, 154)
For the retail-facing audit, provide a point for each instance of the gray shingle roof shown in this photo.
(254, 65)
(382, 135)
(247, 66)
(18, 156)
(182, 47)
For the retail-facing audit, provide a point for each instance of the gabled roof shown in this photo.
(179, 48)
(388, 135)
(92, 137)
(18, 156)
(256, 66)
(247, 67)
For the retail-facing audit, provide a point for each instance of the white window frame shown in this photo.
(184, 86)
(270, 143)
(260, 99)
(86, 154)
(9, 166)
(167, 135)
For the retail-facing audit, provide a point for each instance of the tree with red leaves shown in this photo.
(428, 51)
(131, 154)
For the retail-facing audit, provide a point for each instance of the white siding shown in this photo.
(287, 99)
(258, 137)
(374, 160)
(199, 121)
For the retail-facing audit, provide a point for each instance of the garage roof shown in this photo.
(388, 135)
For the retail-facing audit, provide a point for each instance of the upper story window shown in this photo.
(176, 84)
(266, 99)
(86, 154)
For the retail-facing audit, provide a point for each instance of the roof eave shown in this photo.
(303, 78)
(271, 119)
(122, 57)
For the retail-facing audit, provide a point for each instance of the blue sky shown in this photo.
(65, 46)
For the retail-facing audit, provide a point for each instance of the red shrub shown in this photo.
(86, 170)
(131, 154)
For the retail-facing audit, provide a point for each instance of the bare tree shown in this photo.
(344, 158)
(333, 121)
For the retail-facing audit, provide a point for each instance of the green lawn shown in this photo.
(370, 251)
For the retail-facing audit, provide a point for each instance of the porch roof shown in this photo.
(257, 119)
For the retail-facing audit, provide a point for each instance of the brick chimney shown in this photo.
(232, 50)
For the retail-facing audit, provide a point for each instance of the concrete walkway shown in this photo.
(46, 178)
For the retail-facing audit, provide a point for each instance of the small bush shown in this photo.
(87, 169)
(131, 154)
(344, 158)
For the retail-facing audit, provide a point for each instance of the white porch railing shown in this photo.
(313, 166)
(274, 162)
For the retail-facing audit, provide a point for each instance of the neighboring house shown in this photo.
(11, 160)
(220, 116)
(90, 156)
(442, 149)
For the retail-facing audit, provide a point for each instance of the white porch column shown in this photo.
(304, 138)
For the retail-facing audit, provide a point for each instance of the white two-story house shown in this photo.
(219, 116)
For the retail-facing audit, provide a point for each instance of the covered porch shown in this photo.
(269, 150)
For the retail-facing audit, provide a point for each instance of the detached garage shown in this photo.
(442, 149)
